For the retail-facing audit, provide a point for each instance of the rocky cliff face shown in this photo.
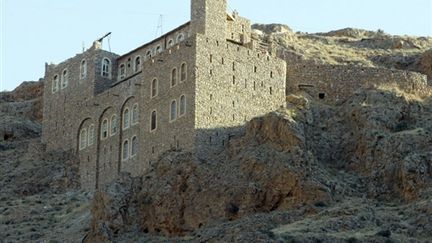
(308, 160)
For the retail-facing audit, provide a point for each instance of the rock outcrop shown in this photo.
(375, 146)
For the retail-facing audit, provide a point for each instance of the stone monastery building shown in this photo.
(190, 89)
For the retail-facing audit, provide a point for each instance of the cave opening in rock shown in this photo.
(321, 96)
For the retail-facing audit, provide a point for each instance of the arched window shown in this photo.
(104, 129)
(173, 110)
(55, 84)
(134, 147)
(122, 72)
(106, 68)
(183, 72)
(182, 105)
(153, 123)
(113, 125)
(154, 88)
(180, 37)
(158, 49)
(135, 114)
(126, 119)
(83, 139)
(174, 77)
(91, 135)
(83, 69)
(64, 79)
(149, 54)
(137, 65)
(170, 43)
(125, 150)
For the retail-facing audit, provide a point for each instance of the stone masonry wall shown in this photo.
(336, 83)
(60, 117)
(234, 84)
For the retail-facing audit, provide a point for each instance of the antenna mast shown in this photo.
(159, 26)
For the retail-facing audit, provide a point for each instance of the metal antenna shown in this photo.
(159, 25)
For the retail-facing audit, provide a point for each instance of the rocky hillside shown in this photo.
(39, 200)
(359, 171)
(351, 47)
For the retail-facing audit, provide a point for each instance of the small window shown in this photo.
(153, 123)
(174, 77)
(234, 79)
(137, 65)
(64, 79)
(183, 72)
(180, 37)
(104, 129)
(55, 84)
(122, 72)
(135, 114)
(91, 135)
(182, 105)
(158, 49)
(83, 69)
(173, 110)
(126, 119)
(83, 139)
(125, 150)
(114, 125)
(271, 74)
(170, 43)
(234, 66)
(154, 88)
(255, 69)
(321, 96)
(134, 147)
(106, 68)
(149, 54)
(211, 58)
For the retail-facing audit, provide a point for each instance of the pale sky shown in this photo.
(37, 31)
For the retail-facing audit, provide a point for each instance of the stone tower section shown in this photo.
(208, 17)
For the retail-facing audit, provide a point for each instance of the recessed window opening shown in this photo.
(173, 111)
(126, 119)
(154, 88)
(182, 105)
(83, 139)
(122, 73)
(106, 68)
(321, 96)
(174, 77)
(137, 65)
(153, 122)
(113, 125)
(183, 72)
(83, 69)
(55, 84)
(125, 150)
(104, 129)
(134, 147)
(64, 79)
